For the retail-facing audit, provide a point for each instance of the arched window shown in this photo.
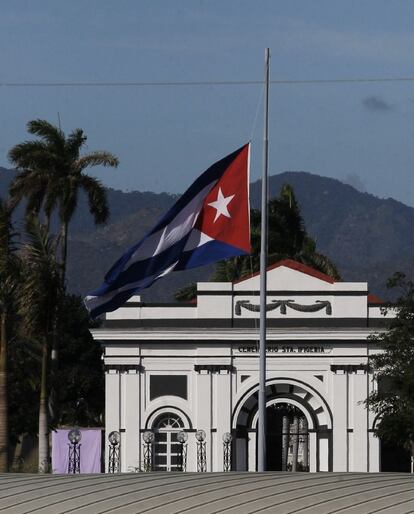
(166, 447)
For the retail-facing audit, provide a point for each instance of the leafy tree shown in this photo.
(9, 279)
(80, 379)
(393, 401)
(51, 174)
(78, 383)
(186, 293)
(39, 304)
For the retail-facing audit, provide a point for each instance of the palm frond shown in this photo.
(99, 158)
(74, 143)
(9, 261)
(68, 199)
(48, 132)
(7, 234)
(24, 154)
(41, 287)
(31, 185)
(97, 201)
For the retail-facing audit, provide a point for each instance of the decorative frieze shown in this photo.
(284, 305)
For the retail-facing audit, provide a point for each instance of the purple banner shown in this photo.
(90, 450)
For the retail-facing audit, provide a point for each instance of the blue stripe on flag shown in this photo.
(211, 251)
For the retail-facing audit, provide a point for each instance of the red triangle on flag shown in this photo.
(225, 213)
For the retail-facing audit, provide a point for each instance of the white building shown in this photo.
(172, 367)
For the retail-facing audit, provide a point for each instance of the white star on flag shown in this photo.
(221, 205)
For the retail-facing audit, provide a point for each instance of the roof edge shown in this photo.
(294, 265)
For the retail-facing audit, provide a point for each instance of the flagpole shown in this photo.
(263, 281)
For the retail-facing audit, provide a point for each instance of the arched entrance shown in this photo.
(304, 443)
(167, 456)
(287, 436)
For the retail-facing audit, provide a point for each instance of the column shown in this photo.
(222, 414)
(252, 451)
(191, 452)
(132, 420)
(203, 410)
(360, 420)
(374, 453)
(112, 407)
(241, 447)
(340, 420)
(323, 452)
(313, 452)
(123, 412)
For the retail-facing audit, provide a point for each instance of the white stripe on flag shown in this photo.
(174, 231)
(196, 240)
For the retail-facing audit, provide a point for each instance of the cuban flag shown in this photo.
(209, 222)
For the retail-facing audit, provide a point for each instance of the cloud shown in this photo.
(376, 104)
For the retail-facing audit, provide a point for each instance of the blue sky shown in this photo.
(165, 136)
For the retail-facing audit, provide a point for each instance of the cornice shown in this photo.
(128, 336)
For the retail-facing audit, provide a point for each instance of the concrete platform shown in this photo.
(208, 493)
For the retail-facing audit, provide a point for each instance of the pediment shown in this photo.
(288, 275)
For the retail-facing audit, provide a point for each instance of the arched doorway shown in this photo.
(293, 399)
(167, 450)
(287, 436)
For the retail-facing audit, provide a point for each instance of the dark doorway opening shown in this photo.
(287, 438)
(395, 458)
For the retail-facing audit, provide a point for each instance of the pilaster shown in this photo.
(222, 413)
(359, 386)
(132, 420)
(112, 407)
(122, 384)
(213, 409)
(340, 420)
(203, 410)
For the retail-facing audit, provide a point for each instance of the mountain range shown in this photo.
(368, 238)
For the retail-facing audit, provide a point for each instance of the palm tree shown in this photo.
(9, 269)
(40, 297)
(51, 174)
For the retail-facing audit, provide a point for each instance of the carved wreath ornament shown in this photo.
(284, 305)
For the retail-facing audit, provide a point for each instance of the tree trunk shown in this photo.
(53, 402)
(295, 446)
(64, 249)
(4, 426)
(305, 436)
(44, 457)
(412, 456)
(285, 442)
